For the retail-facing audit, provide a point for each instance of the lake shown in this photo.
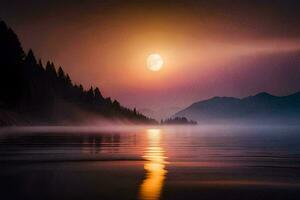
(150, 163)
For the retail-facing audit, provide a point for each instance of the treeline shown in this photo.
(178, 120)
(27, 86)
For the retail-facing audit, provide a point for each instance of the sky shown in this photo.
(210, 48)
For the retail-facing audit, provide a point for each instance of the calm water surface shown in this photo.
(150, 163)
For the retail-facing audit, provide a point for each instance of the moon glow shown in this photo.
(154, 62)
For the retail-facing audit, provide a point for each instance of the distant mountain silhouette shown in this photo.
(261, 108)
(35, 93)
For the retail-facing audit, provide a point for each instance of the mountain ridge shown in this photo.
(251, 108)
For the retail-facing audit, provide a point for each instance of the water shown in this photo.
(150, 163)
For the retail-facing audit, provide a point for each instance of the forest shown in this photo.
(178, 121)
(45, 93)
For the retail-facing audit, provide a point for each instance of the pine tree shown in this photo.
(98, 95)
(61, 74)
(40, 66)
(90, 95)
(30, 59)
(50, 69)
(11, 59)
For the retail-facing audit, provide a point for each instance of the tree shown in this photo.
(50, 69)
(11, 60)
(98, 95)
(40, 66)
(90, 94)
(68, 80)
(81, 88)
(61, 74)
(11, 51)
(108, 101)
(116, 104)
(30, 59)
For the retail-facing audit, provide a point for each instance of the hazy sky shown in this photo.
(210, 48)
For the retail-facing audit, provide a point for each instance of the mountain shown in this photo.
(31, 93)
(261, 108)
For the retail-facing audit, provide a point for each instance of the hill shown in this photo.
(40, 94)
(260, 108)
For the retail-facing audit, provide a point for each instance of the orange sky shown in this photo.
(208, 48)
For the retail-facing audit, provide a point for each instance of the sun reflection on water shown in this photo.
(155, 167)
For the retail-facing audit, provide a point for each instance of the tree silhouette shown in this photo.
(61, 74)
(98, 95)
(178, 120)
(90, 95)
(50, 69)
(11, 59)
(26, 87)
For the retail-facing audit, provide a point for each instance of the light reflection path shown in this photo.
(155, 164)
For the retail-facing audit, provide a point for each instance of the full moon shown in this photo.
(154, 62)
